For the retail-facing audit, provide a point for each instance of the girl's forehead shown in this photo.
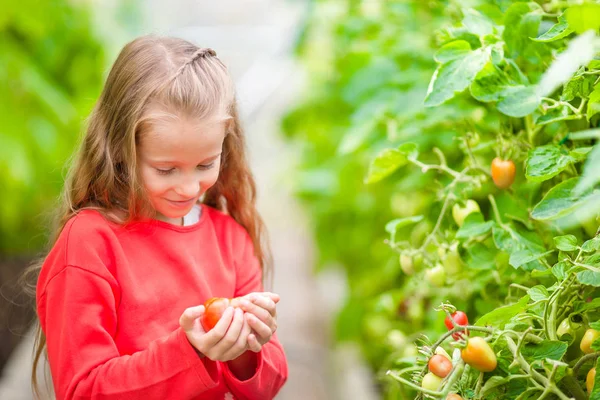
(177, 138)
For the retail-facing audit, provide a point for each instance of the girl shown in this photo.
(158, 215)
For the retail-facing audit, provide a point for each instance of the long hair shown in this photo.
(181, 78)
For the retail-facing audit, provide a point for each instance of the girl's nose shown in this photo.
(188, 188)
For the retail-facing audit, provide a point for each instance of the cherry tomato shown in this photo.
(439, 365)
(479, 355)
(590, 336)
(440, 350)
(452, 261)
(461, 319)
(589, 380)
(431, 381)
(460, 212)
(454, 396)
(410, 263)
(436, 276)
(503, 172)
(214, 309)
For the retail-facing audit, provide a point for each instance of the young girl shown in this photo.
(158, 216)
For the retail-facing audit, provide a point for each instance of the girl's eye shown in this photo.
(164, 171)
(207, 166)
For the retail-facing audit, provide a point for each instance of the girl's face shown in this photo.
(179, 161)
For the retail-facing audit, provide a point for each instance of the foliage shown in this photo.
(50, 74)
(410, 103)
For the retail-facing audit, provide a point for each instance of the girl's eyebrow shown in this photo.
(175, 162)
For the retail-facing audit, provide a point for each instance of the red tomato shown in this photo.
(214, 309)
(479, 355)
(503, 172)
(440, 365)
(461, 319)
(589, 380)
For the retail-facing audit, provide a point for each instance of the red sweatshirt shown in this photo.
(109, 300)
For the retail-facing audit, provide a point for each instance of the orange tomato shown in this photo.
(479, 355)
(503, 172)
(214, 309)
(589, 380)
(590, 336)
(454, 396)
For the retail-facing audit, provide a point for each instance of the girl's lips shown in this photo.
(181, 204)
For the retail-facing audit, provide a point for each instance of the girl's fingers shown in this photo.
(189, 317)
(241, 345)
(262, 330)
(273, 296)
(217, 333)
(233, 333)
(264, 309)
(253, 343)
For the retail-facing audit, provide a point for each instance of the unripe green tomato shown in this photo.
(436, 276)
(575, 329)
(590, 336)
(452, 261)
(396, 339)
(431, 381)
(460, 212)
(406, 264)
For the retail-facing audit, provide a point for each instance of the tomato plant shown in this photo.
(412, 103)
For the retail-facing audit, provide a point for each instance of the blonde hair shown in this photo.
(181, 78)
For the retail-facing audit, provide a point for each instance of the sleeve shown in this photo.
(78, 315)
(272, 370)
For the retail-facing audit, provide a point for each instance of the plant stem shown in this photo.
(584, 359)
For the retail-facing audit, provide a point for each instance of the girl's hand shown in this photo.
(226, 341)
(261, 314)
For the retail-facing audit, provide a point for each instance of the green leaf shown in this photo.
(477, 23)
(566, 243)
(502, 315)
(480, 257)
(452, 51)
(519, 101)
(392, 226)
(490, 84)
(389, 160)
(538, 293)
(455, 76)
(552, 349)
(474, 226)
(593, 106)
(584, 17)
(521, 23)
(560, 269)
(590, 176)
(558, 202)
(545, 162)
(583, 306)
(560, 30)
(525, 256)
(588, 277)
(591, 245)
(493, 383)
(578, 86)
